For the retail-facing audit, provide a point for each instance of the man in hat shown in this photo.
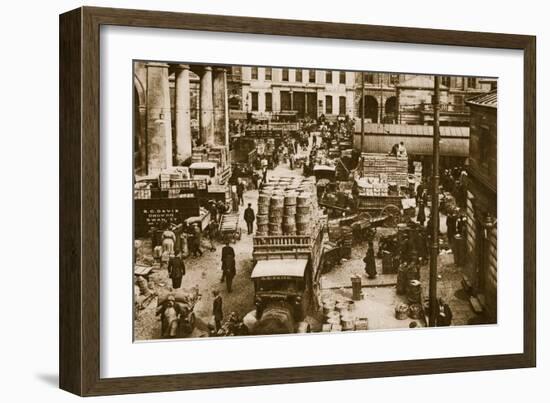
(213, 210)
(370, 262)
(197, 239)
(212, 233)
(451, 226)
(240, 192)
(228, 265)
(217, 309)
(249, 217)
(176, 269)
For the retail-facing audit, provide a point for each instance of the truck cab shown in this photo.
(283, 294)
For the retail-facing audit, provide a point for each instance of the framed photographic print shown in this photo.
(304, 201)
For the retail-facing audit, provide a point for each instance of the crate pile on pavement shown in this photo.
(387, 168)
(211, 153)
(287, 206)
(176, 181)
(339, 315)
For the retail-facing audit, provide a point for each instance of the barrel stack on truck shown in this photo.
(287, 253)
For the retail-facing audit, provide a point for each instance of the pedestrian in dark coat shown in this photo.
(249, 217)
(213, 210)
(451, 227)
(370, 262)
(196, 240)
(176, 270)
(229, 272)
(240, 192)
(217, 309)
(228, 254)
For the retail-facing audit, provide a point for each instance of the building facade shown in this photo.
(310, 93)
(482, 200)
(407, 98)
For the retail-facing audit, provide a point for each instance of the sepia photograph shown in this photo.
(286, 200)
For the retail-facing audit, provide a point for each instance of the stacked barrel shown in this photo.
(262, 217)
(276, 206)
(287, 206)
(289, 218)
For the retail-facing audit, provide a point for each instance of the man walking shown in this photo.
(370, 262)
(176, 270)
(197, 240)
(249, 217)
(217, 309)
(240, 192)
(228, 265)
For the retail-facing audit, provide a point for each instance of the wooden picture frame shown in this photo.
(79, 346)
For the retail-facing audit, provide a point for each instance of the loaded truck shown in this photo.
(286, 282)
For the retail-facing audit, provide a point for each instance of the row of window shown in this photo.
(286, 102)
(370, 78)
(471, 82)
(268, 75)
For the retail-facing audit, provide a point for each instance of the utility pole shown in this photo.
(434, 305)
(381, 97)
(362, 103)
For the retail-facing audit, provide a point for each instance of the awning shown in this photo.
(279, 267)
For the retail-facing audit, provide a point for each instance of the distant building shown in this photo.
(307, 92)
(482, 199)
(380, 96)
(407, 98)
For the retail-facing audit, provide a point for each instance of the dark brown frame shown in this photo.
(79, 200)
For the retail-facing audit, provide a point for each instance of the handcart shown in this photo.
(229, 227)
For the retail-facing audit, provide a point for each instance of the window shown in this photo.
(446, 81)
(394, 79)
(254, 100)
(311, 76)
(285, 75)
(268, 73)
(268, 102)
(369, 78)
(328, 104)
(328, 77)
(471, 83)
(299, 76)
(254, 73)
(342, 105)
(342, 77)
(285, 101)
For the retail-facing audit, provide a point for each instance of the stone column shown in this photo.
(221, 107)
(159, 126)
(206, 107)
(183, 114)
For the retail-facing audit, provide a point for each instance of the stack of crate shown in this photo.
(216, 154)
(387, 167)
(164, 181)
